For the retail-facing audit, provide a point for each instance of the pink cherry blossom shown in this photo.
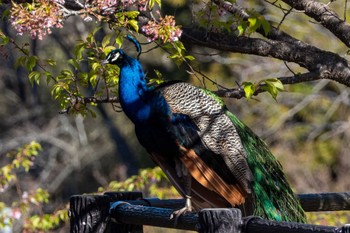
(38, 21)
(165, 29)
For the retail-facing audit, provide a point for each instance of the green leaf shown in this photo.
(67, 73)
(50, 62)
(78, 51)
(254, 24)
(277, 83)
(26, 164)
(95, 66)
(265, 25)
(106, 40)
(159, 74)
(133, 23)
(34, 76)
(74, 63)
(241, 28)
(108, 49)
(93, 79)
(31, 63)
(252, 21)
(119, 40)
(34, 145)
(90, 37)
(20, 61)
(151, 4)
(49, 77)
(273, 86)
(190, 58)
(5, 13)
(131, 14)
(58, 89)
(3, 39)
(249, 89)
(83, 78)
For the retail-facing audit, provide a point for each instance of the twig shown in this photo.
(284, 17)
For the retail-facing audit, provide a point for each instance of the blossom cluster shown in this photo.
(36, 18)
(107, 7)
(142, 5)
(164, 29)
(40, 16)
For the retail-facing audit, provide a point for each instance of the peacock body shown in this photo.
(209, 155)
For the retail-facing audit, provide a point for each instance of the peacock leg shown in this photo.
(188, 205)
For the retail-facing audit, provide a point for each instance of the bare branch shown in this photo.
(324, 15)
(233, 8)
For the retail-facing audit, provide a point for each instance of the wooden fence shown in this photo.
(121, 212)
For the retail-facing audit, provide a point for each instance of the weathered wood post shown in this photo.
(220, 220)
(90, 213)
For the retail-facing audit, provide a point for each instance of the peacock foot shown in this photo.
(187, 209)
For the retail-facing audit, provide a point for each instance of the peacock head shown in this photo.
(115, 57)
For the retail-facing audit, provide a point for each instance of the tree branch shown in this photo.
(89, 100)
(73, 5)
(328, 18)
(274, 34)
(239, 93)
(327, 64)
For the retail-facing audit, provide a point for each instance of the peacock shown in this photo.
(211, 157)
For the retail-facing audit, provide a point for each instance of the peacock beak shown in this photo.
(104, 62)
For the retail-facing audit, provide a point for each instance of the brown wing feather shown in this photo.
(201, 196)
(210, 179)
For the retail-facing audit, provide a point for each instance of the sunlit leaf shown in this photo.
(131, 14)
(249, 89)
(273, 86)
(134, 24)
(34, 77)
(106, 40)
(51, 62)
(119, 40)
(3, 39)
(189, 57)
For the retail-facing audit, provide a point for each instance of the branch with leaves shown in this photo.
(233, 34)
(28, 210)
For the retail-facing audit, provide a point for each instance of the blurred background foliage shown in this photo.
(307, 127)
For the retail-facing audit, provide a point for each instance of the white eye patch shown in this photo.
(115, 57)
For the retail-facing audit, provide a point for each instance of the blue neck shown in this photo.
(133, 91)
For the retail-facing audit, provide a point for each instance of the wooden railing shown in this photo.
(121, 212)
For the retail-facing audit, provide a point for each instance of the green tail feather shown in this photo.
(273, 196)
